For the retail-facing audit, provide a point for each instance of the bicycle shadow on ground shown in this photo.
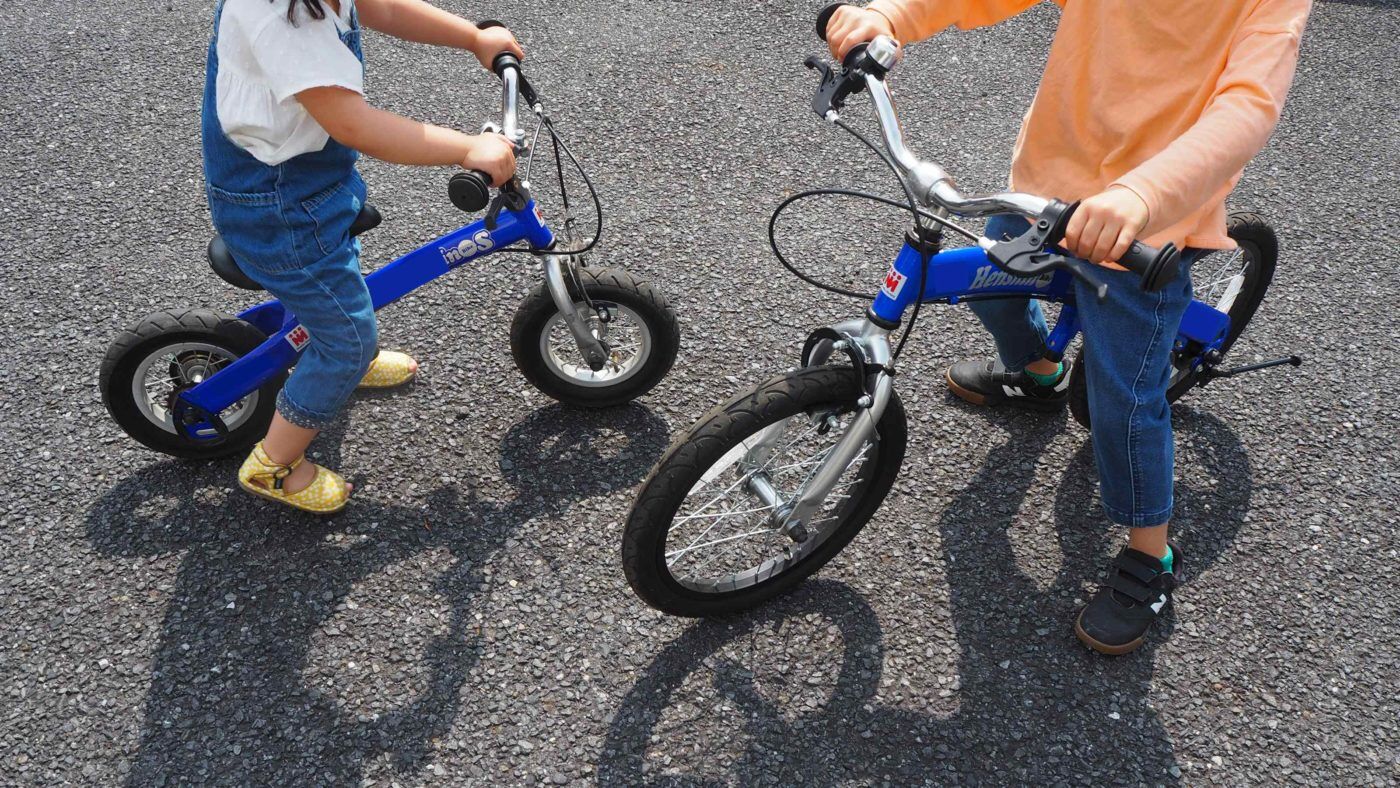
(1032, 704)
(249, 684)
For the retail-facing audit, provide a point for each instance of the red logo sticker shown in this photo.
(894, 283)
(298, 337)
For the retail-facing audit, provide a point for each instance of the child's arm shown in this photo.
(1205, 160)
(908, 21)
(1236, 123)
(415, 20)
(351, 121)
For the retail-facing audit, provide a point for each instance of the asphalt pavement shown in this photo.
(466, 621)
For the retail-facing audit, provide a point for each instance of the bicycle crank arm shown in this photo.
(1210, 373)
(595, 351)
(841, 456)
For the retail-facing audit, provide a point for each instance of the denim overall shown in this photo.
(288, 226)
(1130, 337)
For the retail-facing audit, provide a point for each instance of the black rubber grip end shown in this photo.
(470, 191)
(1157, 267)
(504, 61)
(824, 18)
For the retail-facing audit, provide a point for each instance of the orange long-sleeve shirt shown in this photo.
(1169, 99)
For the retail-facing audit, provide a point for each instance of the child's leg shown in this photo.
(1016, 324)
(1026, 379)
(1129, 340)
(330, 299)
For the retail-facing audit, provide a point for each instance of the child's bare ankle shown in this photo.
(300, 478)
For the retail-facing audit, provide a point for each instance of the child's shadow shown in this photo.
(1033, 705)
(258, 587)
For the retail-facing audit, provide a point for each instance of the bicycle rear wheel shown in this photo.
(701, 540)
(1233, 281)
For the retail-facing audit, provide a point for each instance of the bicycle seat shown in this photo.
(221, 259)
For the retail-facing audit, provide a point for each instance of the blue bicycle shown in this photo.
(766, 488)
(200, 384)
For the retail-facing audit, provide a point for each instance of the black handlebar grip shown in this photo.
(1157, 267)
(504, 61)
(505, 58)
(824, 18)
(470, 191)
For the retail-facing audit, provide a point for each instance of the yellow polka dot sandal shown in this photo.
(389, 369)
(262, 477)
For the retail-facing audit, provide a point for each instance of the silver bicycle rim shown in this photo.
(1224, 285)
(177, 367)
(723, 537)
(1220, 289)
(627, 335)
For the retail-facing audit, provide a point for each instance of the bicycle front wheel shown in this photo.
(703, 539)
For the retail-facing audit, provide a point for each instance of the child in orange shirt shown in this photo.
(1147, 112)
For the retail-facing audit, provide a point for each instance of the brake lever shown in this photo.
(1086, 273)
(1027, 257)
(509, 198)
(834, 87)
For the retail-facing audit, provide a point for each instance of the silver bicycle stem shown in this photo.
(930, 183)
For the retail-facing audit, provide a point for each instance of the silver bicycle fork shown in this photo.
(595, 351)
(871, 343)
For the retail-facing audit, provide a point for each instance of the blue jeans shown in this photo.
(1129, 340)
(329, 297)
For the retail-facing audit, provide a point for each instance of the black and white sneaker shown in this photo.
(981, 383)
(1133, 596)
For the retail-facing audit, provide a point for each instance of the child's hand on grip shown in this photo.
(1104, 226)
(493, 41)
(850, 26)
(492, 154)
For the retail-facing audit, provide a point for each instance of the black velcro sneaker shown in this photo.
(981, 383)
(1131, 598)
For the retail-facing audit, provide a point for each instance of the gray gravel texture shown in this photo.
(467, 621)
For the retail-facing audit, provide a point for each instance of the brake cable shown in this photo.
(834, 192)
(559, 145)
(912, 206)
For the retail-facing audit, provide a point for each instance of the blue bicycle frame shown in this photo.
(967, 274)
(287, 337)
(955, 275)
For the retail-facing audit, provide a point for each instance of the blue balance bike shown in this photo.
(766, 488)
(200, 384)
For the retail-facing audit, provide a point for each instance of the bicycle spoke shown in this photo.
(725, 541)
(721, 540)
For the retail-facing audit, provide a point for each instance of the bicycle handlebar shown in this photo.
(471, 191)
(864, 68)
(513, 86)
